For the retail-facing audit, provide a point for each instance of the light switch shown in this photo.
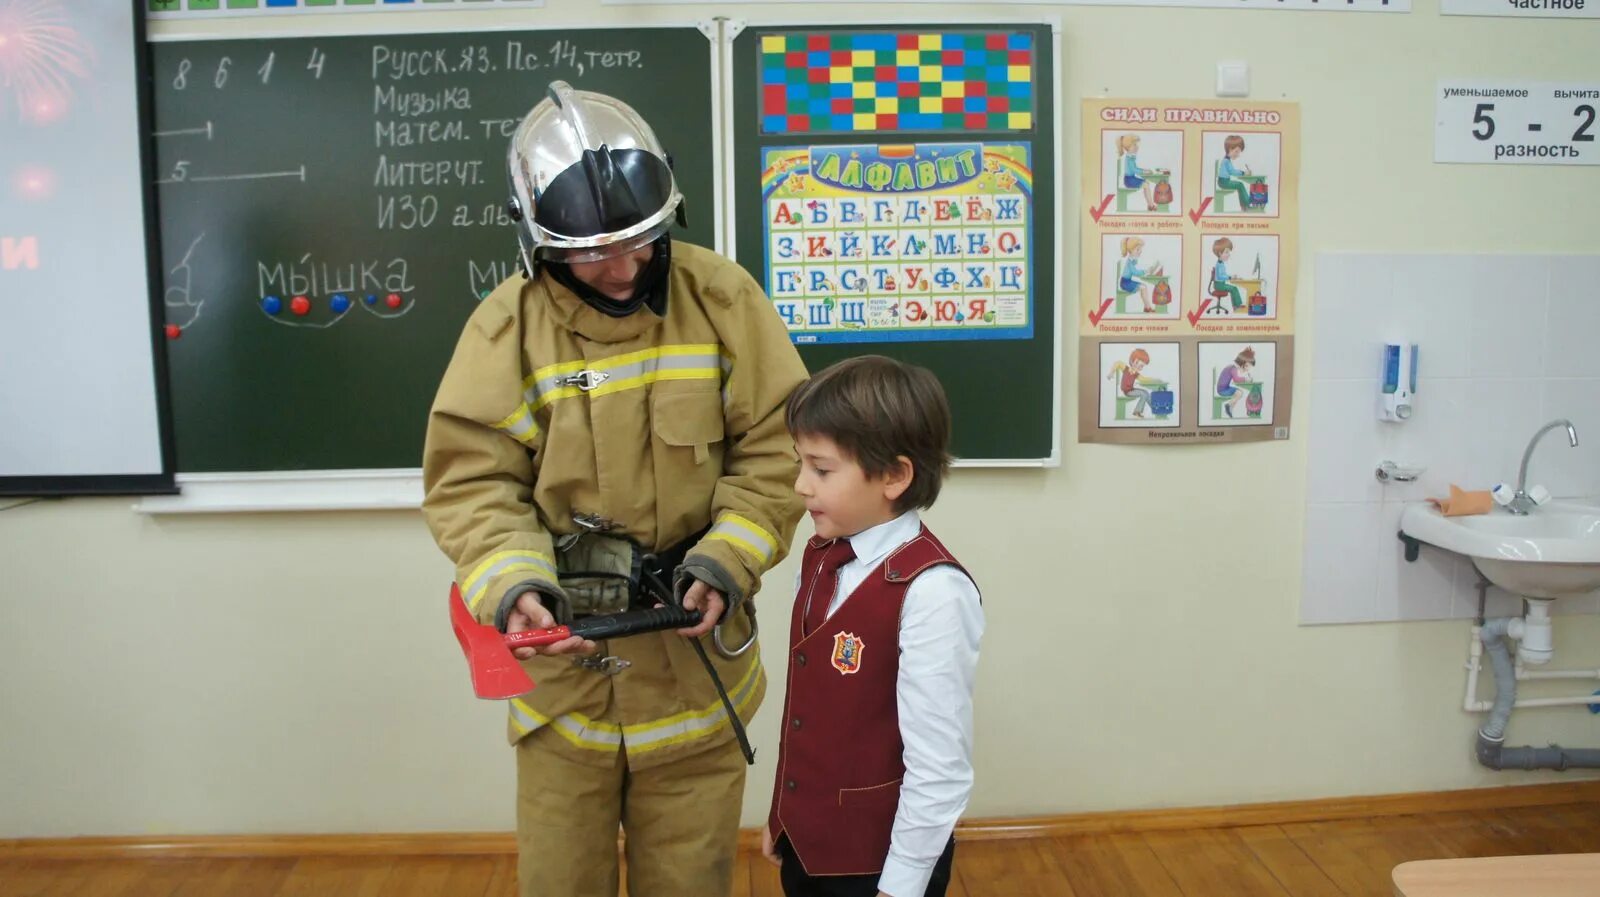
(1233, 79)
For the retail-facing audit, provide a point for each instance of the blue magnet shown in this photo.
(272, 305)
(341, 303)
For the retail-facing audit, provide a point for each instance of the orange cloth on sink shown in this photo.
(1463, 504)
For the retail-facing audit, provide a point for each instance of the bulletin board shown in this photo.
(895, 193)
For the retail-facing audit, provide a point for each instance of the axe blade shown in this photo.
(496, 675)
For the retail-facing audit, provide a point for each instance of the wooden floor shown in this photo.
(1324, 859)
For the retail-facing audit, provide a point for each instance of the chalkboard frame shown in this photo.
(388, 488)
(401, 488)
(729, 71)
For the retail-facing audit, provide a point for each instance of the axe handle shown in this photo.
(607, 626)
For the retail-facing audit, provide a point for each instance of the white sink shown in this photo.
(1551, 552)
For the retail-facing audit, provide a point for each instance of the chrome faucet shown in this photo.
(1521, 502)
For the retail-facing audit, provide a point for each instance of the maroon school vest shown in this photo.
(839, 761)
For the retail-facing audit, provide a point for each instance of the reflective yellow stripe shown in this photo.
(744, 533)
(582, 732)
(694, 361)
(501, 563)
(575, 728)
(520, 425)
(689, 726)
(551, 370)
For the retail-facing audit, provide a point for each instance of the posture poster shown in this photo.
(1186, 296)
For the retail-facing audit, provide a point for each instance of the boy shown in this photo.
(875, 762)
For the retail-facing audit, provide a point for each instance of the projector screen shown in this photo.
(82, 394)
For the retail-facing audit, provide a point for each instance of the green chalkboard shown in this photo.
(859, 114)
(361, 180)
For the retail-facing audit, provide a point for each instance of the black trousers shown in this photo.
(796, 883)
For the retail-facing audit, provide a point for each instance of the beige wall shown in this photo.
(295, 673)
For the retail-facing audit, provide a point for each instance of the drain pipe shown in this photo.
(1495, 635)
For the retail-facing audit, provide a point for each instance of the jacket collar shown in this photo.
(576, 315)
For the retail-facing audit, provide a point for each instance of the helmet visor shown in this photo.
(579, 255)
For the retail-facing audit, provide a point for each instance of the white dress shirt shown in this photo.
(941, 622)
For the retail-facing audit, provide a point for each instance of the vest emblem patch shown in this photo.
(847, 652)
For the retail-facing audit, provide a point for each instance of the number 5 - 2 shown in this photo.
(1478, 118)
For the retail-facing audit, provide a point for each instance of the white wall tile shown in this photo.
(1350, 290)
(1566, 471)
(1507, 343)
(1438, 433)
(1502, 604)
(1346, 442)
(1420, 590)
(1574, 319)
(1339, 574)
(1508, 317)
(1432, 307)
(1503, 415)
(1464, 605)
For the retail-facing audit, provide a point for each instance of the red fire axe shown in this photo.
(497, 675)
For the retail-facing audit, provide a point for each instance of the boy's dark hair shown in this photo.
(877, 409)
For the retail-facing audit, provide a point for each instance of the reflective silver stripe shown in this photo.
(743, 533)
(655, 735)
(521, 426)
(589, 734)
(548, 384)
(584, 733)
(649, 370)
(574, 727)
(526, 721)
(503, 562)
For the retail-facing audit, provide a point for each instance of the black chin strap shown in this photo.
(650, 291)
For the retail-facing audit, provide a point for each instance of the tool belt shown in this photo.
(610, 575)
(605, 574)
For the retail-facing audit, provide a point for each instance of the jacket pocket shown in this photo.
(691, 418)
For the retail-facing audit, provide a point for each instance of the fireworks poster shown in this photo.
(77, 320)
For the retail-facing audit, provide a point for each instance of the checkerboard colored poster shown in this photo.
(862, 81)
(900, 242)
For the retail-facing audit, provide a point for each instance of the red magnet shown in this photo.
(393, 300)
(300, 305)
(174, 331)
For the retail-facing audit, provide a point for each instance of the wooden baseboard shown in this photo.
(991, 829)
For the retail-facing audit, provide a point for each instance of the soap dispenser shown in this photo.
(1399, 383)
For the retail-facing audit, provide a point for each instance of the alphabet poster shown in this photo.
(878, 243)
(1186, 296)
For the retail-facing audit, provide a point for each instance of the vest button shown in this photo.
(800, 659)
(790, 785)
(795, 722)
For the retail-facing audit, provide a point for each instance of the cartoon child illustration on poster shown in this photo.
(1236, 381)
(1142, 169)
(1244, 173)
(1140, 385)
(1241, 275)
(1142, 275)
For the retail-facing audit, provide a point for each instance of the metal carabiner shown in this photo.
(716, 636)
